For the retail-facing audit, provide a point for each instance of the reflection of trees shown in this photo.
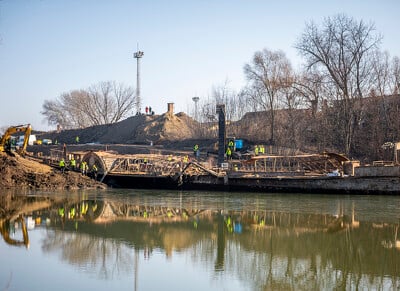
(283, 259)
(103, 256)
(275, 250)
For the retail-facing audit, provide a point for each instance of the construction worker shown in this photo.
(84, 208)
(256, 150)
(196, 151)
(94, 171)
(71, 213)
(229, 223)
(77, 139)
(61, 211)
(62, 165)
(83, 168)
(185, 159)
(262, 149)
(231, 144)
(72, 163)
(228, 153)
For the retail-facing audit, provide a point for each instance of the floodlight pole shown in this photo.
(138, 55)
(196, 100)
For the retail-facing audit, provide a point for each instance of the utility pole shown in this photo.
(138, 55)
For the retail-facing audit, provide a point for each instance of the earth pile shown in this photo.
(23, 172)
(139, 129)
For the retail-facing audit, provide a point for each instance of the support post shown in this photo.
(221, 133)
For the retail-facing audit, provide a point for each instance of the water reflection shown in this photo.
(263, 241)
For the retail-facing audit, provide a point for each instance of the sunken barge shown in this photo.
(314, 173)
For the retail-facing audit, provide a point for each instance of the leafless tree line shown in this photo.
(346, 97)
(103, 103)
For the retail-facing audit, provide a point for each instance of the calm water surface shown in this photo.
(170, 240)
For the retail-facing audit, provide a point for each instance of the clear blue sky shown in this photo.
(48, 47)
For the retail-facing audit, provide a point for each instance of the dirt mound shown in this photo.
(23, 172)
(166, 127)
(140, 129)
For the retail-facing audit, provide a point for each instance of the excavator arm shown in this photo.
(14, 129)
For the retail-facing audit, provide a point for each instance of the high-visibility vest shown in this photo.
(84, 166)
(72, 212)
(62, 163)
(73, 162)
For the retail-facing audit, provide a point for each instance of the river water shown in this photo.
(171, 240)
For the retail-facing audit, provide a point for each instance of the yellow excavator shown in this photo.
(6, 143)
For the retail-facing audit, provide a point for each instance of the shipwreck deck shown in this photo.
(300, 174)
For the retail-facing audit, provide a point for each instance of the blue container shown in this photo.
(239, 144)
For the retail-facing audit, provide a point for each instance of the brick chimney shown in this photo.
(170, 108)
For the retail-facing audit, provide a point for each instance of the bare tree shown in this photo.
(254, 120)
(380, 72)
(340, 50)
(236, 106)
(395, 76)
(103, 103)
(267, 76)
(54, 112)
(205, 125)
(294, 111)
(385, 106)
(223, 94)
(311, 86)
